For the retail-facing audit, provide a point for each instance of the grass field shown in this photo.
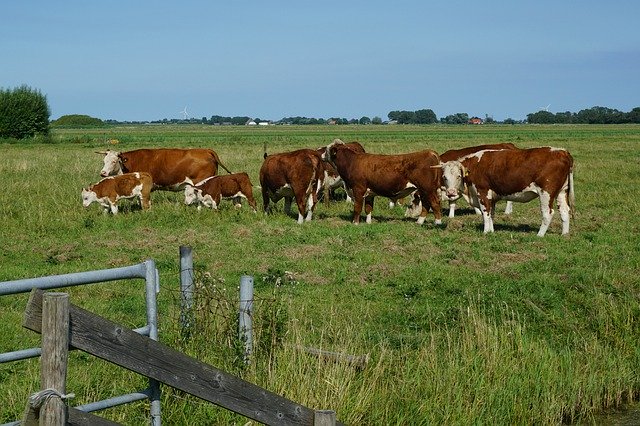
(461, 327)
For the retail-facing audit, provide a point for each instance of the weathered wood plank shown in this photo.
(119, 345)
(80, 418)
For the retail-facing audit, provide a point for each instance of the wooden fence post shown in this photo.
(55, 354)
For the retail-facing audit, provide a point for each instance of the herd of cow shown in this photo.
(482, 175)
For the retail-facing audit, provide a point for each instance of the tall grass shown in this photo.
(461, 327)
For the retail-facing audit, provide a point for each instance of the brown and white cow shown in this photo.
(414, 207)
(331, 179)
(297, 174)
(516, 175)
(212, 190)
(169, 167)
(392, 176)
(110, 190)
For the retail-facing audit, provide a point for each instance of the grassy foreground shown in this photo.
(461, 327)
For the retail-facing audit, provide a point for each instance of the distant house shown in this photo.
(475, 120)
(250, 123)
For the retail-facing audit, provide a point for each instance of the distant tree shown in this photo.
(459, 118)
(633, 116)
(564, 117)
(376, 120)
(77, 120)
(364, 120)
(425, 116)
(402, 117)
(509, 121)
(239, 121)
(24, 112)
(541, 117)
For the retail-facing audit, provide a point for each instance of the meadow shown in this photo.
(460, 327)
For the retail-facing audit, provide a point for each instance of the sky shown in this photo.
(148, 60)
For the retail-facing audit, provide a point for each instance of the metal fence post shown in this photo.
(245, 326)
(186, 290)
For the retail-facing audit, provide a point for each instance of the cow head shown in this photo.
(329, 153)
(453, 174)
(112, 163)
(88, 197)
(190, 194)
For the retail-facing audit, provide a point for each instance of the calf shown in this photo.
(297, 174)
(392, 176)
(109, 190)
(210, 191)
(515, 175)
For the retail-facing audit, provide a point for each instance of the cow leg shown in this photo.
(434, 202)
(114, 208)
(287, 204)
(368, 207)
(312, 200)
(349, 192)
(509, 207)
(358, 201)
(487, 214)
(563, 206)
(452, 209)
(546, 208)
(300, 202)
(265, 199)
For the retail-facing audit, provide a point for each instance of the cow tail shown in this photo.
(264, 148)
(223, 166)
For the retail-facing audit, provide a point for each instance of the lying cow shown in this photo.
(392, 176)
(514, 175)
(414, 208)
(169, 167)
(297, 174)
(332, 179)
(110, 190)
(210, 191)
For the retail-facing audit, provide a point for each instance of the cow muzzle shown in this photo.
(452, 193)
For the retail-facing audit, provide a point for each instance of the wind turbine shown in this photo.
(545, 108)
(184, 113)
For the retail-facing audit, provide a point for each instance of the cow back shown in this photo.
(169, 167)
(455, 154)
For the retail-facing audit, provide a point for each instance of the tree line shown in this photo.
(595, 115)
(24, 113)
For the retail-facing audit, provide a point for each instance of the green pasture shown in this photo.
(461, 328)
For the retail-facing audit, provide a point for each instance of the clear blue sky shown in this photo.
(147, 60)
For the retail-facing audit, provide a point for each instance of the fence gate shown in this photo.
(147, 271)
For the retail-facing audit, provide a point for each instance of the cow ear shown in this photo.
(122, 159)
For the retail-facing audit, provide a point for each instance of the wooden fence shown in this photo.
(114, 343)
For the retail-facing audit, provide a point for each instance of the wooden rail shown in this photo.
(119, 345)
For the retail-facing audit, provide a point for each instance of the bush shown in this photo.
(24, 113)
